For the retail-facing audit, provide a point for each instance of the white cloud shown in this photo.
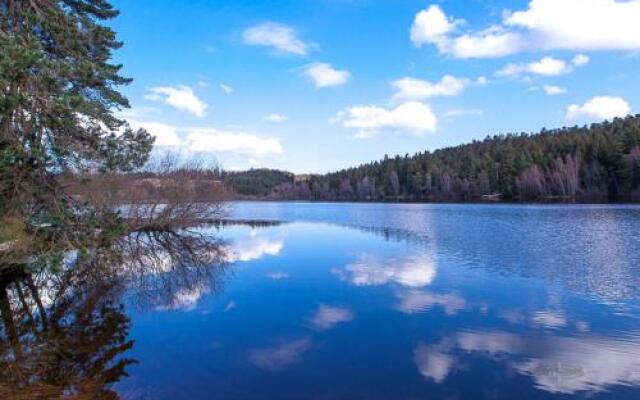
(226, 88)
(208, 140)
(493, 42)
(417, 89)
(549, 66)
(553, 90)
(413, 117)
(326, 317)
(463, 112)
(166, 135)
(431, 26)
(203, 83)
(211, 140)
(324, 75)
(276, 118)
(580, 24)
(546, 66)
(580, 60)
(588, 25)
(482, 80)
(179, 97)
(280, 38)
(600, 107)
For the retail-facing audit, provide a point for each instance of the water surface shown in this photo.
(338, 301)
(377, 301)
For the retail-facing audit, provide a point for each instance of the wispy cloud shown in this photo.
(463, 112)
(553, 90)
(226, 88)
(277, 276)
(546, 66)
(281, 355)
(326, 317)
(416, 89)
(278, 37)
(186, 299)
(416, 301)
(230, 306)
(275, 118)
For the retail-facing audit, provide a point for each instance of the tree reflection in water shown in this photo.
(64, 334)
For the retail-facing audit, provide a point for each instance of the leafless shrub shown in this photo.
(168, 194)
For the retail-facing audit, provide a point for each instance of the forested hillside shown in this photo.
(257, 182)
(600, 162)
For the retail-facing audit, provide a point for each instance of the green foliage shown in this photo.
(257, 182)
(59, 90)
(600, 162)
(58, 99)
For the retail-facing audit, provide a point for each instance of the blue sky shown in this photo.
(318, 85)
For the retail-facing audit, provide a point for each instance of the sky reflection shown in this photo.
(318, 310)
(557, 364)
(371, 270)
(326, 317)
(281, 355)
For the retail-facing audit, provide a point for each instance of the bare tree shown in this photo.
(446, 185)
(394, 183)
(634, 167)
(345, 191)
(167, 194)
(531, 183)
(565, 176)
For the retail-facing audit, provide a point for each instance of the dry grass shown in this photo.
(12, 229)
(15, 242)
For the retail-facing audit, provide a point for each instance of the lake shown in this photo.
(380, 301)
(340, 301)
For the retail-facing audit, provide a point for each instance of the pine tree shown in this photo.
(58, 102)
(59, 89)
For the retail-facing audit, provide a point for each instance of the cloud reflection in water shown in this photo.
(557, 364)
(254, 248)
(281, 355)
(416, 301)
(371, 270)
(326, 317)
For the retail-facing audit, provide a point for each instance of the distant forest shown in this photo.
(595, 163)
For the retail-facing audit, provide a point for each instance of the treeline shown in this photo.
(257, 182)
(598, 163)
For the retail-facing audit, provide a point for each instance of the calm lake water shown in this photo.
(384, 301)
